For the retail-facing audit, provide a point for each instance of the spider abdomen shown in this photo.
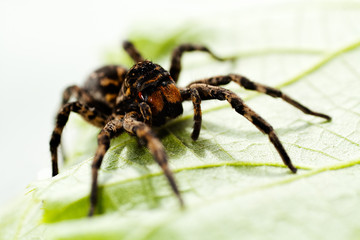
(104, 84)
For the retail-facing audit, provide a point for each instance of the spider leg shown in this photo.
(146, 113)
(214, 92)
(148, 138)
(91, 115)
(175, 67)
(132, 51)
(193, 94)
(77, 92)
(112, 129)
(250, 85)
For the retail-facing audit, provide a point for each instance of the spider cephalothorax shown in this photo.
(117, 99)
(150, 84)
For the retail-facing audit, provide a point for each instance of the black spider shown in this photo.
(116, 99)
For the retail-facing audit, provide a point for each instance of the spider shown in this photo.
(133, 100)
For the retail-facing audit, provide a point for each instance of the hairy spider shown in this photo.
(116, 99)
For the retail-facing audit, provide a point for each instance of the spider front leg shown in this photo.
(92, 116)
(208, 92)
(175, 67)
(148, 138)
(193, 94)
(250, 85)
(112, 129)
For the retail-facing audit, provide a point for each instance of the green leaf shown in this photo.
(233, 181)
(148, 43)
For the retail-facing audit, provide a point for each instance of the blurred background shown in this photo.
(46, 46)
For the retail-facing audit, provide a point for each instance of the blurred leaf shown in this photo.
(157, 46)
(232, 179)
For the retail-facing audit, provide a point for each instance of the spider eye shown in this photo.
(141, 96)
